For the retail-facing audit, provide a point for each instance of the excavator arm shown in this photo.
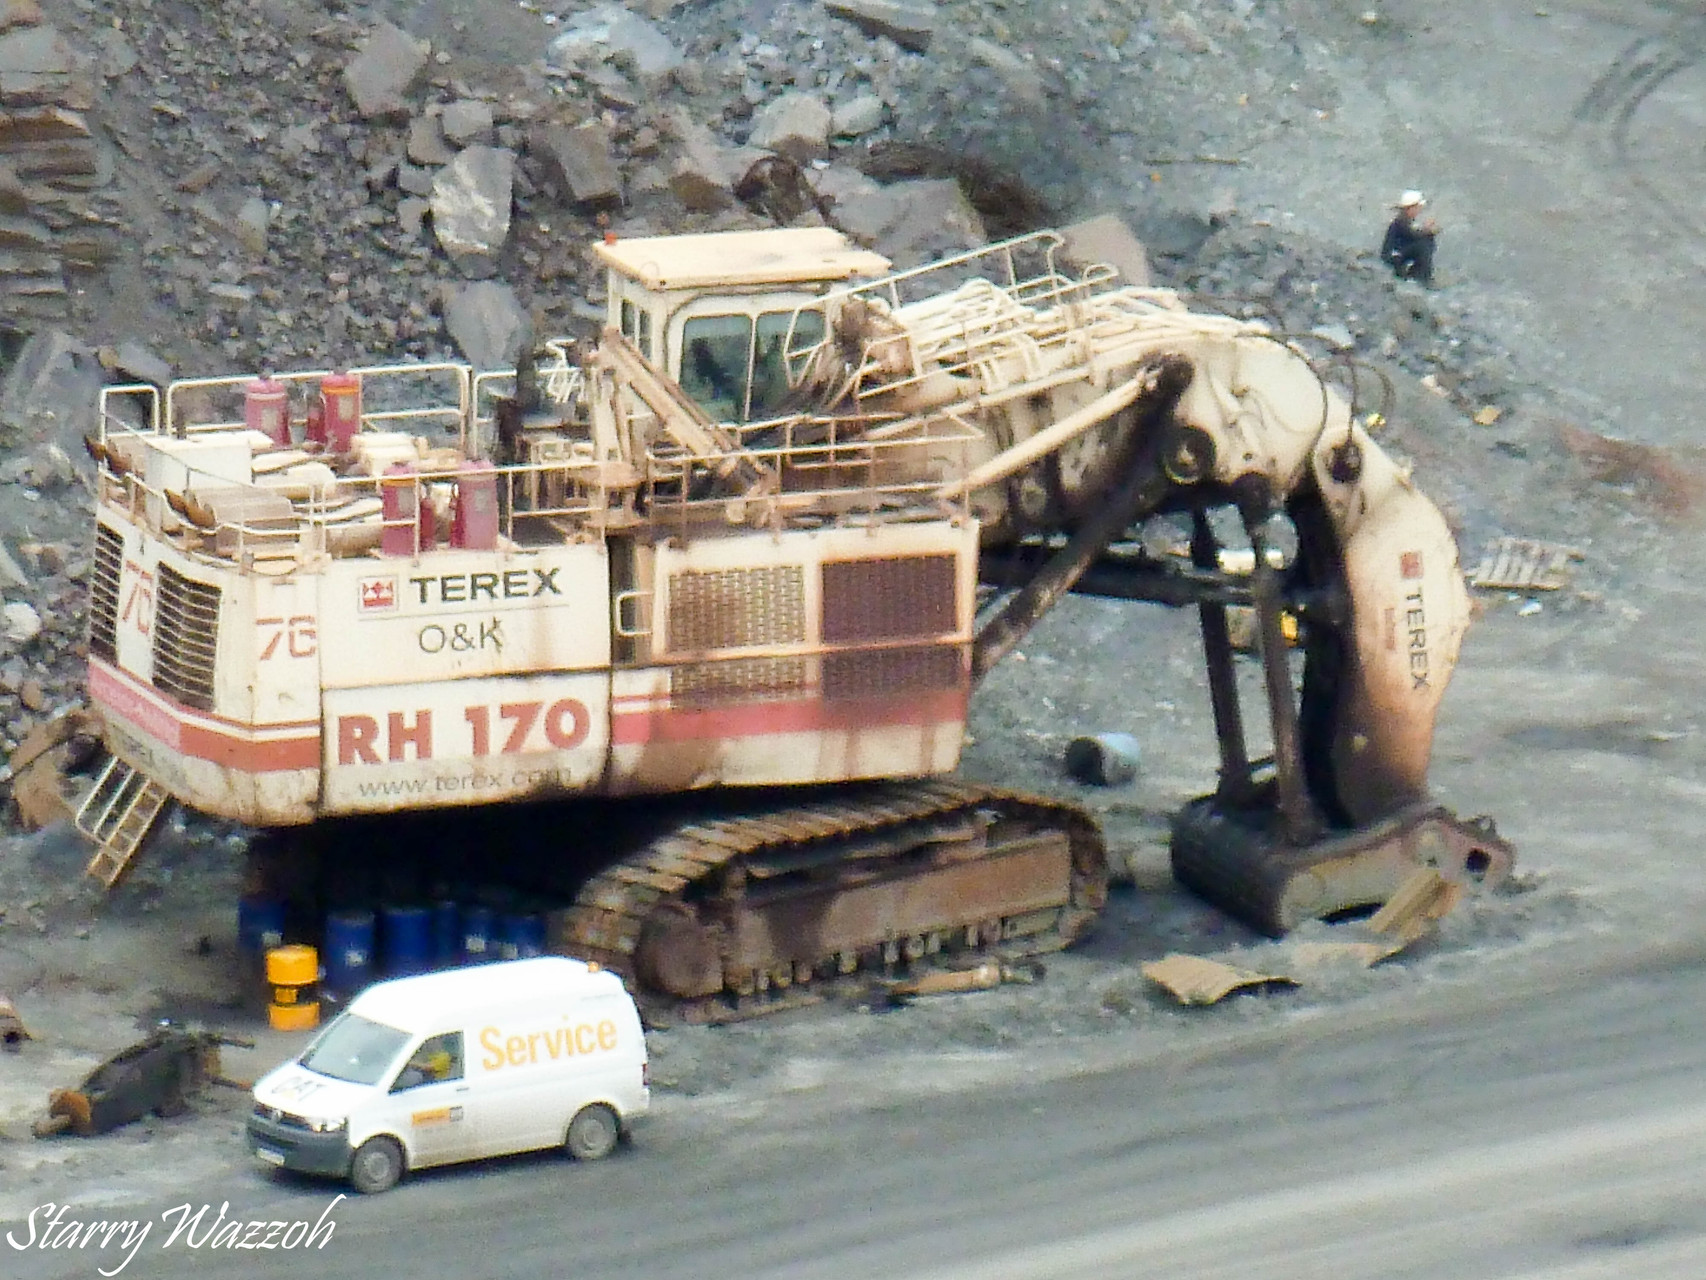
(1102, 409)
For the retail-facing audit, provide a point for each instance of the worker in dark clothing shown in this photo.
(1409, 245)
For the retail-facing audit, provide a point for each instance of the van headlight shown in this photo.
(327, 1126)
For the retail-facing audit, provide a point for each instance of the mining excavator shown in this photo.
(760, 544)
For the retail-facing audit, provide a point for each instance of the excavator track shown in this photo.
(1236, 861)
(752, 912)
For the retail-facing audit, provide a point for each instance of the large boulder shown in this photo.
(51, 394)
(471, 198)
(909, 23)
(1107, 239)
(796, 125)
(385, 71)
(487, 322)
(912, 222)
(577, 161)
(609, 30)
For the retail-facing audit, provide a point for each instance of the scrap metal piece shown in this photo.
(1199, 980)
(155, 1075)
(1409, 915)
(983, 977)
(13, 1032)
(1521, 564)
(1421, 902)
(42, 786)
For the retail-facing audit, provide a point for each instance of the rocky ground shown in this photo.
(191, 188)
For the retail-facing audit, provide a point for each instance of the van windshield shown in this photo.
(355, 1049)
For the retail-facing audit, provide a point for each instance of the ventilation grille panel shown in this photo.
(737, 608)
(103, 594)
(738, 680)
(885, 673)
(899, 598)
(186, 639)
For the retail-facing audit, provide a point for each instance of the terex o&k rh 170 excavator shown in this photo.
(739, 546)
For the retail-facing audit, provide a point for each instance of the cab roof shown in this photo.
(409, 1004)
(781, 255)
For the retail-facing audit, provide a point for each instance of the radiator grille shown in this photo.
(738, 680)
(186, 638)
(884, 673)
(736, 608)
(893, 599)
(103, 594)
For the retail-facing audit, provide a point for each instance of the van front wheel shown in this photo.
(377, 1165)
(593, 1132)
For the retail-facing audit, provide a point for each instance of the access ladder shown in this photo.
(117, 813)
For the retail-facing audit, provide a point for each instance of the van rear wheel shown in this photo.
(377, 1165)
(593, 1132)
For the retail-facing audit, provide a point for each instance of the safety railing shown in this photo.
(990, 316)
(814, 469)
(392, 513)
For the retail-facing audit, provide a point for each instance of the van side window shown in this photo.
(438, 1059)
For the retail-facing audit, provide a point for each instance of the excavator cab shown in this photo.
(729, 317)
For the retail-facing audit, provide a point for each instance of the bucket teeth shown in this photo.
(1236, 860)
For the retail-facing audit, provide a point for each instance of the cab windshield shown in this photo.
(738, 368)
(356, 1049)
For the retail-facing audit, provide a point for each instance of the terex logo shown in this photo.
(461, 588)
(378, 594)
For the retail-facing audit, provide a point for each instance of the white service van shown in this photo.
(457, 1065)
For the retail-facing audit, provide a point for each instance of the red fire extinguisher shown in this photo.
(340, 396)
(400, 499)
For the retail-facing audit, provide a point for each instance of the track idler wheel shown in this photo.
(678, 954)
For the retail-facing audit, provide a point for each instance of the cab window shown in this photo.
(715, 354)
(769, 364)
(737, 371)
(438, 1059)
(637, 327)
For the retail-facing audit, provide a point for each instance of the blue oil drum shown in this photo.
(479, 938)
(446, 935)
(408, 941)
(348, 953)
(523, 937)
(260, 924)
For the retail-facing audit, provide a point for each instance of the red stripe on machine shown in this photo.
(762, 719)
(209, 738)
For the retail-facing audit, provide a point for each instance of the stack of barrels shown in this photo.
(359, 947)
(363, 946)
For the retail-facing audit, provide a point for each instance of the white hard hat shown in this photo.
(1410, 200)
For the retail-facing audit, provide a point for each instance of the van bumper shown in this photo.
(287, 1147)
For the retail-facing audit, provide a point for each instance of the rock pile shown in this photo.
(272, 184)
(55, 223)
